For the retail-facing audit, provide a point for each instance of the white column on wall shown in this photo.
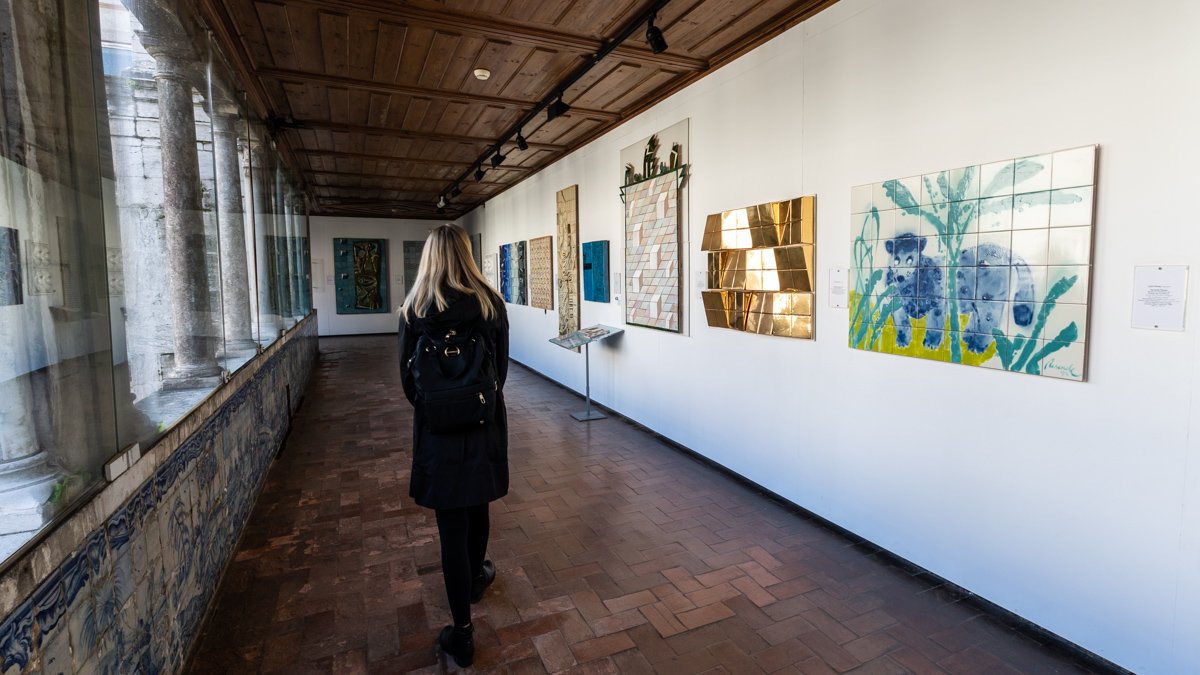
(1073, 505)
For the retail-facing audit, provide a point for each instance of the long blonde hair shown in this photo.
(446, 264)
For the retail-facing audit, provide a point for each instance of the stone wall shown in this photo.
(123, 585)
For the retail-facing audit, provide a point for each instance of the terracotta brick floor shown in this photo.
(615, 552)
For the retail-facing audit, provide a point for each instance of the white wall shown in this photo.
(323, 230)
(1075, 505)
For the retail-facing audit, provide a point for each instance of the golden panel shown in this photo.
(760, 268)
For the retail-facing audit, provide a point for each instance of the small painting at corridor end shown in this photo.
(985, 265)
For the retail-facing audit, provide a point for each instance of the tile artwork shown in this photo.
(541, 273)
(361, 276)
(477, 249)
(490, 263)
(512, 273)
(985, 265)
(566, 202)
(412, 262)
(131, 597)
(41, 268)
(761, 271)
(652, 242)
(10, 267)
(595, 271)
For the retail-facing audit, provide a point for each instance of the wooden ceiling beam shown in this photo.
(321, 125)
(339, 81)
(409, 160)
(504, 30)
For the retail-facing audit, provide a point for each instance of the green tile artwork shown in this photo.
(985, 265)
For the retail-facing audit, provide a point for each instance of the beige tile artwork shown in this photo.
(567, 205)
(541, 273)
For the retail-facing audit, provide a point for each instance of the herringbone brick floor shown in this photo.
(615, 554)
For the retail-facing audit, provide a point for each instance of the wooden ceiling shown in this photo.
(376, 107)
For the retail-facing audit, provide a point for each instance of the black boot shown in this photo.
(482, 580)
(459, 643)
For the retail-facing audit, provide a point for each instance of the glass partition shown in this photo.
(151, 241)
(57, 410)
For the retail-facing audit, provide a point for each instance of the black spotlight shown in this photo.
(479, 174)
(455, 191)
(557, 109)
(654, 36)
(521, 142)
(497, 158)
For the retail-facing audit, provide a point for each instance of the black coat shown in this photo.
(455, 470)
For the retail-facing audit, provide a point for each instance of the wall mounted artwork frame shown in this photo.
(1004, 247)
(361, 276)
(761, 269)
(654, 233)
(512, 273)
(566, 205)
(595, 271)
(490, 266)
(412, 262)
(477, 249)
(541, 272)
(11, 289)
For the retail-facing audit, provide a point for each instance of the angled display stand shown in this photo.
(583, 338)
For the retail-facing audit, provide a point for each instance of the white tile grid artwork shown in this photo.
(489, 269)
(1033, 214)
(652, 275)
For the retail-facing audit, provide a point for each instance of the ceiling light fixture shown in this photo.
(441, 202)
(455, 191)
(479, 174)
(497, 159)
(654, 36)
(521, 142)
(482, 74)
(557, 109)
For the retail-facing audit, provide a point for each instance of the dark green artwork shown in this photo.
(361, 276)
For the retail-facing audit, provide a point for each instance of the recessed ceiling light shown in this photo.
(482, 73)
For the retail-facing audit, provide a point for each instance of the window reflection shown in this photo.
(150, 241)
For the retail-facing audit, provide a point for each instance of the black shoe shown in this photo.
(459, 643)
(480, 583)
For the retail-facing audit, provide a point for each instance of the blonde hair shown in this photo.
(447, 264)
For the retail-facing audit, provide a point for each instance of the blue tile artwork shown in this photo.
(360, 268)
(512, 273)
(131, 597)
(595, 271)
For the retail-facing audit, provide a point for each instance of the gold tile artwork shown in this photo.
(760, 268)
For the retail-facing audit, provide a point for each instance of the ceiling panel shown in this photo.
(375, 104)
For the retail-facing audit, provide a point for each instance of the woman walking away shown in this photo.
(453, 361)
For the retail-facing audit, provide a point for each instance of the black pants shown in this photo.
(464, 535)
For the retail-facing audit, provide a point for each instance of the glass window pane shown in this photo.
(57, 409)
(161, 213)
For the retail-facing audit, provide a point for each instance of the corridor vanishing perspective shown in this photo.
(615, 552)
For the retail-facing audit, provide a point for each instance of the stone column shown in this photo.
(268, 305)
(195, 356)
(235, 279)
(282, 240)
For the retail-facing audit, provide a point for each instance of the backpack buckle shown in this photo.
(452, 350)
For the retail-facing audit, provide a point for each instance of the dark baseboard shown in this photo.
(1012, 621)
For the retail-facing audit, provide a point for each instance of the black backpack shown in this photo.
(455, 379)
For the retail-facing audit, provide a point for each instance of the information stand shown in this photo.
(583, 338)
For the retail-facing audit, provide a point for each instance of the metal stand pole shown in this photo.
(588, 414)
